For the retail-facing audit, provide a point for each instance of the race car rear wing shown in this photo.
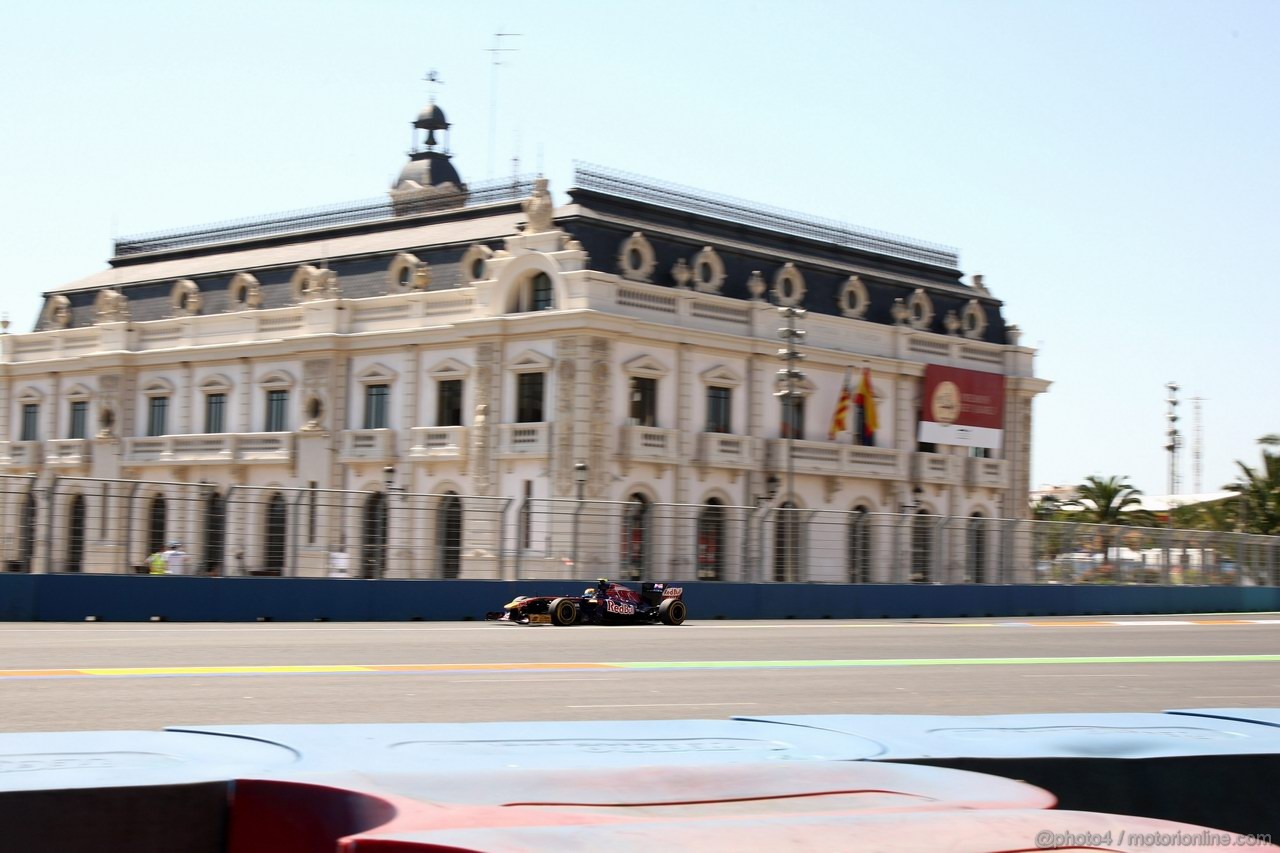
(654, 593)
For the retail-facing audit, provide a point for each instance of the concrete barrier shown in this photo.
(65, 597)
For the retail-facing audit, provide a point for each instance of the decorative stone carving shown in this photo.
(708, 270)
(756, 285)
(788, 285)
(1012, 334)
(979, 285)
(681, 274)
(974, 319)
(921, 309)
(636, 258)
(901, 313)
(245, 291)
(538, 208)
(422, 276)
(185, 298)
(57, 312)
(951, 323)
(474, 262)
(854, 299)
(402, 272)
(110, 306)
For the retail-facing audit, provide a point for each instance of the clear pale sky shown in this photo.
(1112, 168)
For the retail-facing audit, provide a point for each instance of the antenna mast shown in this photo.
(495, 60)
(1173, 441)
(1197, 447)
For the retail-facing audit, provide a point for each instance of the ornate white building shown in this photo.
(473, 343)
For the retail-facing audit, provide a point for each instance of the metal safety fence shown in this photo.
(76, 524)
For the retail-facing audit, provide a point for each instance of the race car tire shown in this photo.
(564, 611)
(672, 611)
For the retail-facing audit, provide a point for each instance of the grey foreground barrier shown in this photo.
(1212, 771)
(782, 783)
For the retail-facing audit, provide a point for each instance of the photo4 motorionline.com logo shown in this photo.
(1048, 839)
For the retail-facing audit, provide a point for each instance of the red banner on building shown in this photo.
(962, 407)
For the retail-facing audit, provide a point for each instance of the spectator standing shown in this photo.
(339, 562)
(156, 562)
(175, 560)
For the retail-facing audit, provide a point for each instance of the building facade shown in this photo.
(485, 364)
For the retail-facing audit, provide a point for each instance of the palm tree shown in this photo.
(1258, 509)
(1109, 500)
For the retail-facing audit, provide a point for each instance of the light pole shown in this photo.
(792, 376)
(580, 480)
(384, 538)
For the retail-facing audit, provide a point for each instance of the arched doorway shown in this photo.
(75, 534)
(921, 548)
(276, 538)
(157, 520)
(976, 556)
(449, 535)
(635, 537)
(859, 545)
(711, 541)
(215, 534)
(786, 544)
(373, 536)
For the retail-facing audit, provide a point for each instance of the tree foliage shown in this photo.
(1258, 507)
(1108, 500)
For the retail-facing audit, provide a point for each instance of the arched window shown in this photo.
(215, 530)
(540, 296)
(373, 536)
(276, 538)
(75, 534)
(635, 537)
(976, 556)
(449, 535)
(27, 533)
(157, 519)
(859, 545)
(711, 541)
(921, 548)
(786, 544)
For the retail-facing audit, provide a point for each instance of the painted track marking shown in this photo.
(620, 666)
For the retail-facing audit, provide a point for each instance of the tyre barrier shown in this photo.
(858, 782)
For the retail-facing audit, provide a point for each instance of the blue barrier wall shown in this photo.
(64, 598)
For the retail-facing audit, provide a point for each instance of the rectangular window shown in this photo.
(375, 406)
(277, 404)
(30, 421)
(215, 413)
(644, 401)
(718, 402)
(79, 419)
(157, 416)
(793, 417)
(449, 402)
(529, 388)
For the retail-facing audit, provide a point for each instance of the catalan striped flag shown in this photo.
(840, 420)
(865, 401)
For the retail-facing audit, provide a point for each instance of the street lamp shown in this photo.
(580, 481)
(792, 376)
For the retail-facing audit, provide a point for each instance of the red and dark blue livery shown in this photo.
(606, 603)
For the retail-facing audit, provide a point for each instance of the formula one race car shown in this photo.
(604, 604)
